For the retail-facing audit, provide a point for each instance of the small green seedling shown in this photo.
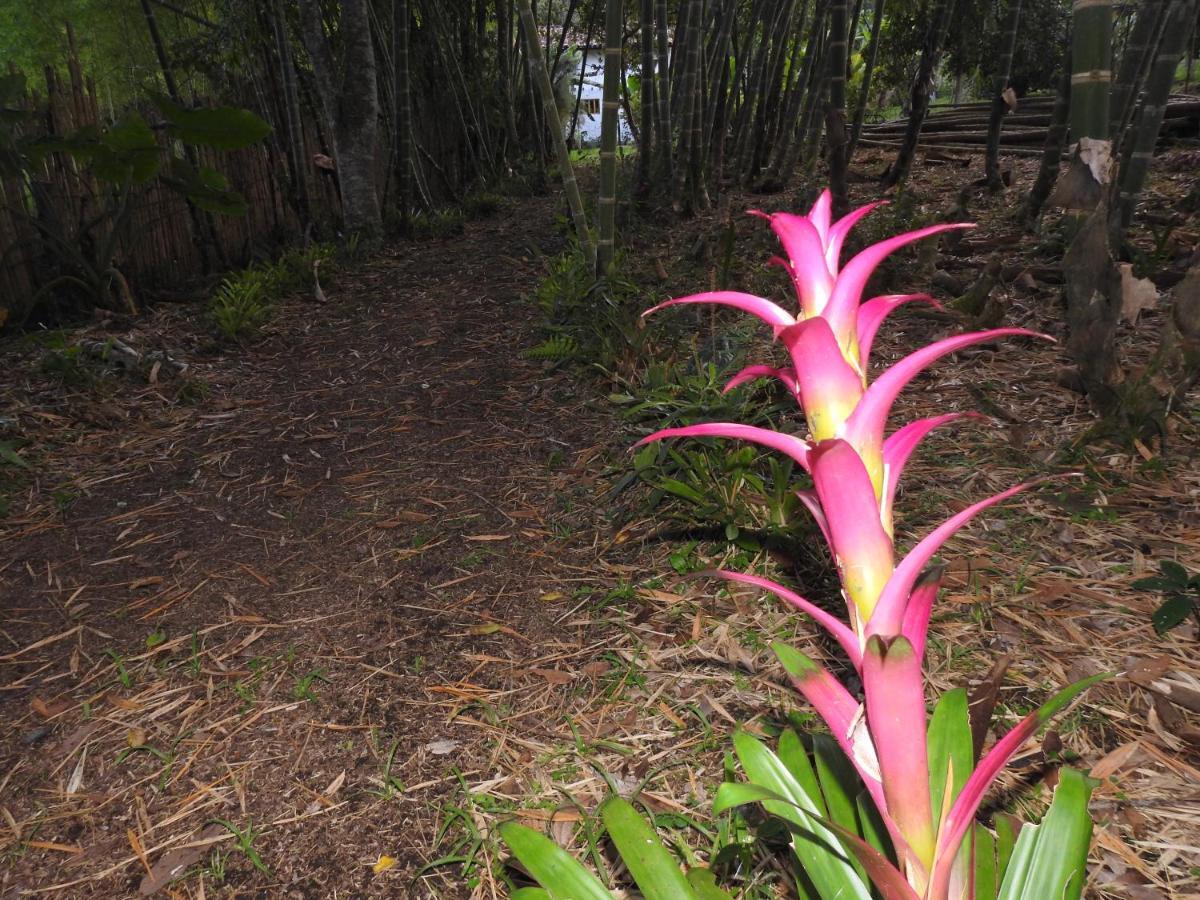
(303, 689)
(392, 785)
(245, 839)
(1182, 593)
(124, 676)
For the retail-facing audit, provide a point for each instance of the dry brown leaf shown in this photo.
(1137, 294)
(1144, 672)
(1114, 760)
(173, 863)
(49, 710)
(554, 676)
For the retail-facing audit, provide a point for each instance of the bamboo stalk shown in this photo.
(533, 54)
(606, 210)
(991, 163)
(860, 111)
(1150, 113)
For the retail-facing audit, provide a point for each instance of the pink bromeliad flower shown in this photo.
(830, 337)
(830, 340)
(855, 472)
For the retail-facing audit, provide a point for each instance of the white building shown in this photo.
(587, 128)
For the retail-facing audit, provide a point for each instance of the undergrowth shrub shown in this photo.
(482, 205)
(241, 305)
(589, 319)
(243, 302)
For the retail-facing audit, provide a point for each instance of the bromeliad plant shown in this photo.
(855, 472)
(916, 776)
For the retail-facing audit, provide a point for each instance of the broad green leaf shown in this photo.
(1058, 864)
(223, 128)
(887, 879)
(1153, 584)
(530, 893)
(839, 784)
(984, 861)
(680, 489)
(559, 873)
(127, 151)
(1173, 571)
(652, 866)
(949, 741)
(817, 848)
(739, 793)
(1017, 870)
(793, 754)
(1007, 828)
(1172, 612)
(207, 189)
(873, 830)
(885, 876)
(704, 885)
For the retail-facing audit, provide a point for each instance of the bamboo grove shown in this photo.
(394, 107)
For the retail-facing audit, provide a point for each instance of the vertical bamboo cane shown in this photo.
(1150, 113)
(991, 162)
(864, 90)
(533, 55)
(646, 143)
(606, 210)
(835, 112)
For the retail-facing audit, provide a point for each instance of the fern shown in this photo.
(557, 347)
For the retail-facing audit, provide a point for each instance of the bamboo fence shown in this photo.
(159, 253)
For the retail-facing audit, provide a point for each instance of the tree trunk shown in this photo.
(835, 110)
(1148, 121)
(210, 250)
(716, 136)
(533, 53)
(787, 103)
(662, 94)
(587, 43)
(401, 109)
(606, 210)
(931, 54)
(293, 121)
(646, 142)
(1000, 105)
(689, 192)
(1136, 57)
(864, 91)
(768, 100)
(798, 109)
(755, 95)
(504, 58)
(1056, 142)
(350, 99)
(1091, 64)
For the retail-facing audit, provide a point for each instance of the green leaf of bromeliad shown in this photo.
(650, 863)
(1050, 859)
(559, 873)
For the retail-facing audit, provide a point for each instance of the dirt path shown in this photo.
(298, 604)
